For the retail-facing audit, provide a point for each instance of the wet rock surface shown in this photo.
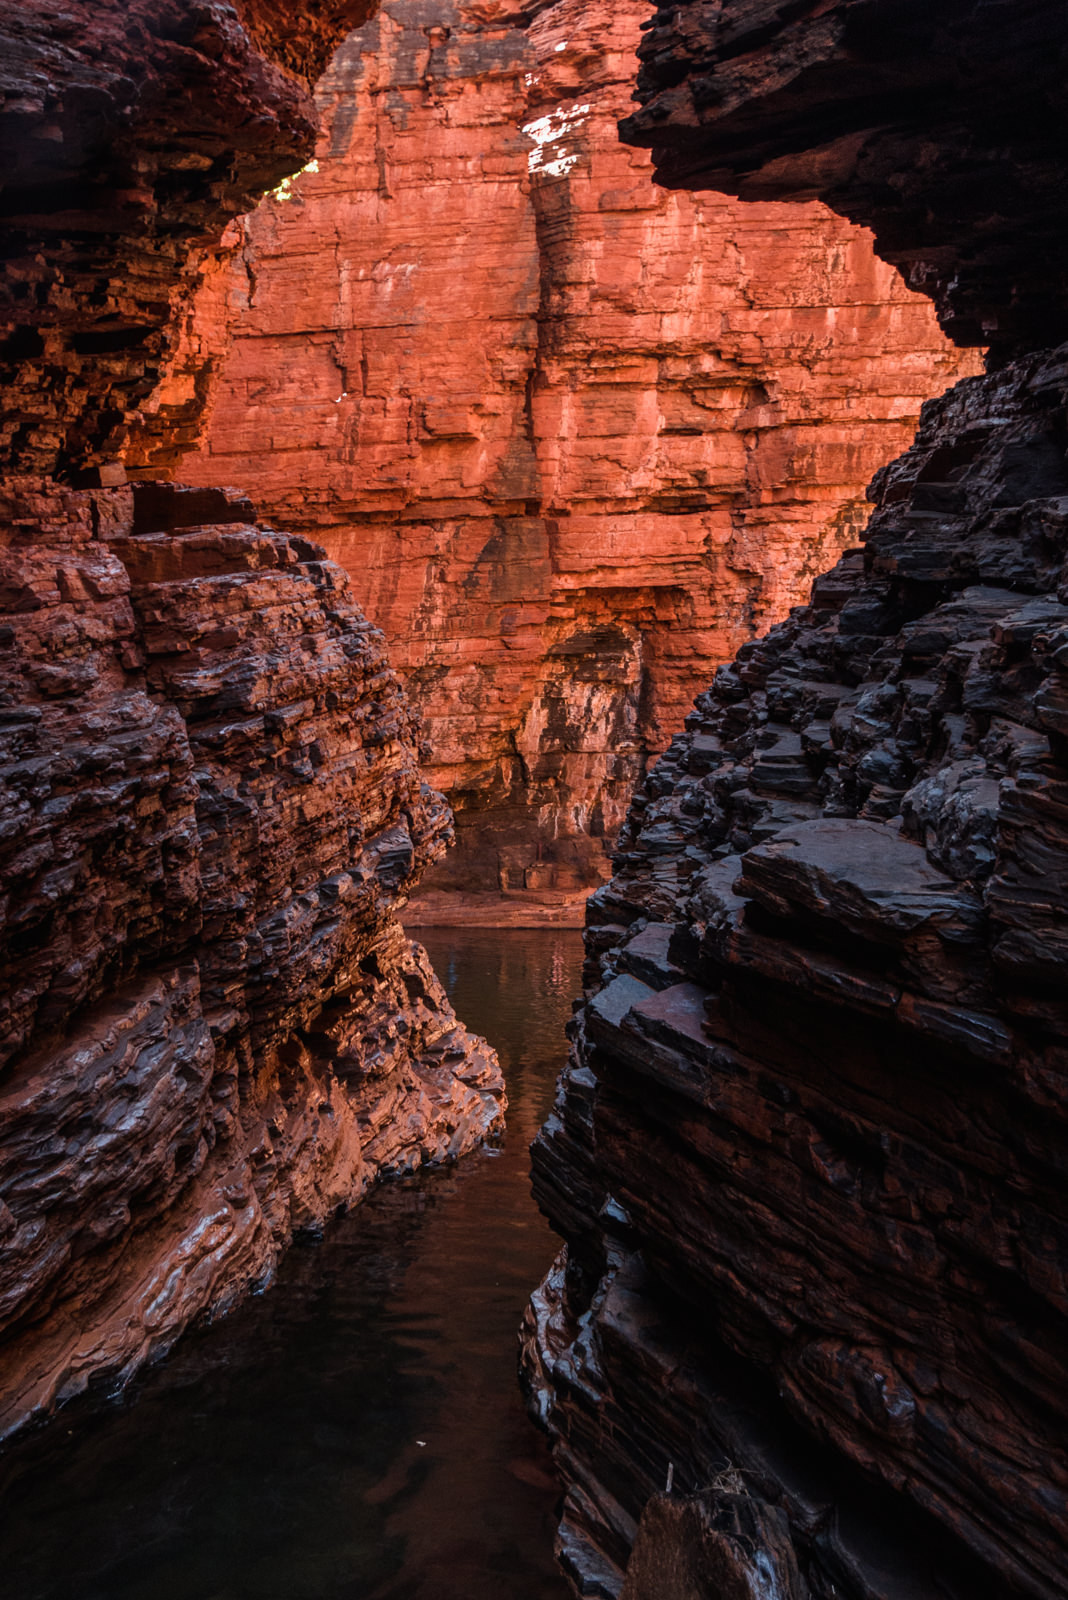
(576, 439)
(357, 1430)
(812, 1134)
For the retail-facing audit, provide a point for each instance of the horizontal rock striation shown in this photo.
(809, 1331)
(214, 1031)
(816, 1102)
(575, 438)
(940, 127)
(130, 131)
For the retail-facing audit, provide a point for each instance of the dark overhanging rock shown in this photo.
(130, 130)
(214, 1032)
(813, 1127)
(916, 663)
(941, 127)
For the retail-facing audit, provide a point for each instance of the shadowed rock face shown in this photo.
(941, 127)
(576, 439)
(129, 129)
(726, 1546)
(809, 1154)
(213, 1030)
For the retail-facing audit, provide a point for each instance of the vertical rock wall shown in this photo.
(213, 1030)
(130, 130)
(809, 1332)
(573, 437)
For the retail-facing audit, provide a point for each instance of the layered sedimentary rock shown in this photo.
(940, 127)
(810, 1327)
(130, 130)
(213, 1030)
(574, 438)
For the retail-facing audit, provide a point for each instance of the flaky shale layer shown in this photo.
(215, 1031)
(808, 1335)
(808, 1156)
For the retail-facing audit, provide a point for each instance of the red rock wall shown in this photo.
(819, 1081)
(573, 437)
(213, 1030)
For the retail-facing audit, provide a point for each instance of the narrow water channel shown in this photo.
(356, 1433)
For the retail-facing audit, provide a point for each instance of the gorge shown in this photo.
(580, 422)
(215, 1031)
(808, 1157)
(573, 437)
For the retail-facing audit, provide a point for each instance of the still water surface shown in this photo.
(356, 1433)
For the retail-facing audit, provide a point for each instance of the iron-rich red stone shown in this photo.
(213, 1030)
(575, 438)
(130, 130)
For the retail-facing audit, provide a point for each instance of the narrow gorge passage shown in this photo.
(574, 438)
(397, 448)
(276, 1455)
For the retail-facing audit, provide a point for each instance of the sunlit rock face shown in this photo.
(809, 1332)
(573, 437)
(213, 1030)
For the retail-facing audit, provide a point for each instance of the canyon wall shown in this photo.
(130, 131)
(808, 1335)
(214, 1030)
(575, 439)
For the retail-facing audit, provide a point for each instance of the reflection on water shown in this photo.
(356, 1433)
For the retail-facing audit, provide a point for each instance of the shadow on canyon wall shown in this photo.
(574, 437)
(817, 1090)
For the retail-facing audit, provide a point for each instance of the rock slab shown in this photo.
(808, 1157)
(214, 1030)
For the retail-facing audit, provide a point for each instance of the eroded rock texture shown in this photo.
(809, 1154)
(576, 439)
(723, 1545)
(213, 1030)
(820, 1081)
(939, 126)
(130, 130)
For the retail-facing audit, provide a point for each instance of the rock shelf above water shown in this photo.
(808, 1158)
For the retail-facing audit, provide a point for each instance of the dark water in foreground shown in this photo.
(356, 1433)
